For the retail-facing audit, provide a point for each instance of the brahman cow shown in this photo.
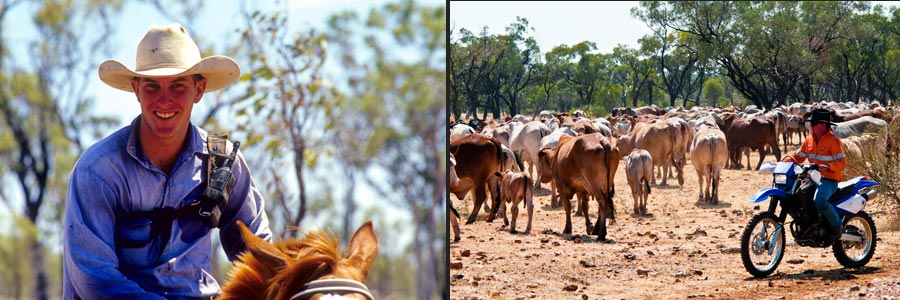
(639, 170)
(586, 165)
(709, 155)
(460, 130)
(779, 118)
(515, 187)
(579, 114)
(526, 140)
(753, 133)
(660, 139)
(858, 126)
(794, 124)
(501, 133)
(477, 158)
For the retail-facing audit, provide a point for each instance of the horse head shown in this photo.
(311, 267)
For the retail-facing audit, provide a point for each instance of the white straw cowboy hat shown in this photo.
(168, 51)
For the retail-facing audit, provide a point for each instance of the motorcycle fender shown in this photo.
(764, 195)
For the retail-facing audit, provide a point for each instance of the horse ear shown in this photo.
(261, 250)
(363, 247)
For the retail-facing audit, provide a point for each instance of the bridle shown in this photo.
(333, 286)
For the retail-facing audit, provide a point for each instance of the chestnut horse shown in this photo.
(308, 268)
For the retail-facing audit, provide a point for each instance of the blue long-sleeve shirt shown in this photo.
(114, 177)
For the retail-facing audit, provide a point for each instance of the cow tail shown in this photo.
(528, 192)
(646, 184)
(518, 159)
(499, 152)
(610, 188)
(453, 210)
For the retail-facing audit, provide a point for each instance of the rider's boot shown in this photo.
(836, 233)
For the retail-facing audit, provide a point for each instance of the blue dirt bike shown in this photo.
(762, 243)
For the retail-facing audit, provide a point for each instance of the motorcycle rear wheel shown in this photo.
(856, 254)
(762, 246)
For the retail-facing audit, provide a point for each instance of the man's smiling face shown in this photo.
(166, 105)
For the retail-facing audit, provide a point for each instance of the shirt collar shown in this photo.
(195, 144)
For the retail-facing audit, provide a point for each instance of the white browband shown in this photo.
(330, 286)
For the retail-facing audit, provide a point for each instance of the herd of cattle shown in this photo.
(578, 155)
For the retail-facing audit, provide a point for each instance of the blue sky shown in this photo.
(606, 23)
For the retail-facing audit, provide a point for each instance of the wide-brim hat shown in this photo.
(168, 51)
(820, 115)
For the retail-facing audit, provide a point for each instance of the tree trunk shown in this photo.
(40, 273)
(349, 204)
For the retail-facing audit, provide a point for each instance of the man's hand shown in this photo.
(788, 159)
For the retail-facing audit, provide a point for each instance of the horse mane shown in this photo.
(308, 258)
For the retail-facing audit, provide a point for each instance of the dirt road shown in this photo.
(684, 250)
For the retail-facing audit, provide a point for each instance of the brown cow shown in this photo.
(515, 187)
(477, 158)
(639, 170)
(586, 165)
(753, 133)
(452, 214)
(659, 139)
(709, 155)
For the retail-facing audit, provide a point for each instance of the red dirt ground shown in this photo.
(683, 250)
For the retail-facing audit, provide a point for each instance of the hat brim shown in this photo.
(219, 71)
(828, 122)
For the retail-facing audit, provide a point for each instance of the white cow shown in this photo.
(526, 140)
(639, 171)
(709, 155)
(551, 140)
(460, 130)
(858, 126)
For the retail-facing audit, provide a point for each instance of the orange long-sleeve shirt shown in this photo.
(827, 150)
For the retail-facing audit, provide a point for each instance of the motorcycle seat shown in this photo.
(842, 192)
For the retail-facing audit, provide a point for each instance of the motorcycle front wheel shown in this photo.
(855, 254)
(762, 244)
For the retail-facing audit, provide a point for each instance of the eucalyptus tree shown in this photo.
(583, 69)
(546, 80)
(285, 86)
(712, 91)
(641, 71)
(44, 115)
(676, 64)
(516, 71)
(473, 60)
(400, 92)
(765, 49)
(825, 27)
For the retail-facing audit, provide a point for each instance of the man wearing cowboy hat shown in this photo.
(825, 150)
(158, 164)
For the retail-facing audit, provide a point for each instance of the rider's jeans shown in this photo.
(823, 192)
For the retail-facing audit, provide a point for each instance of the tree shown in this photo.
(584, 69)
(641, 72)
(712, 91)
(43, 109)
(517, 70)
(473, 59)
(402, 99)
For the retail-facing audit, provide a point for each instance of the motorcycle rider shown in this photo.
(827, 151)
